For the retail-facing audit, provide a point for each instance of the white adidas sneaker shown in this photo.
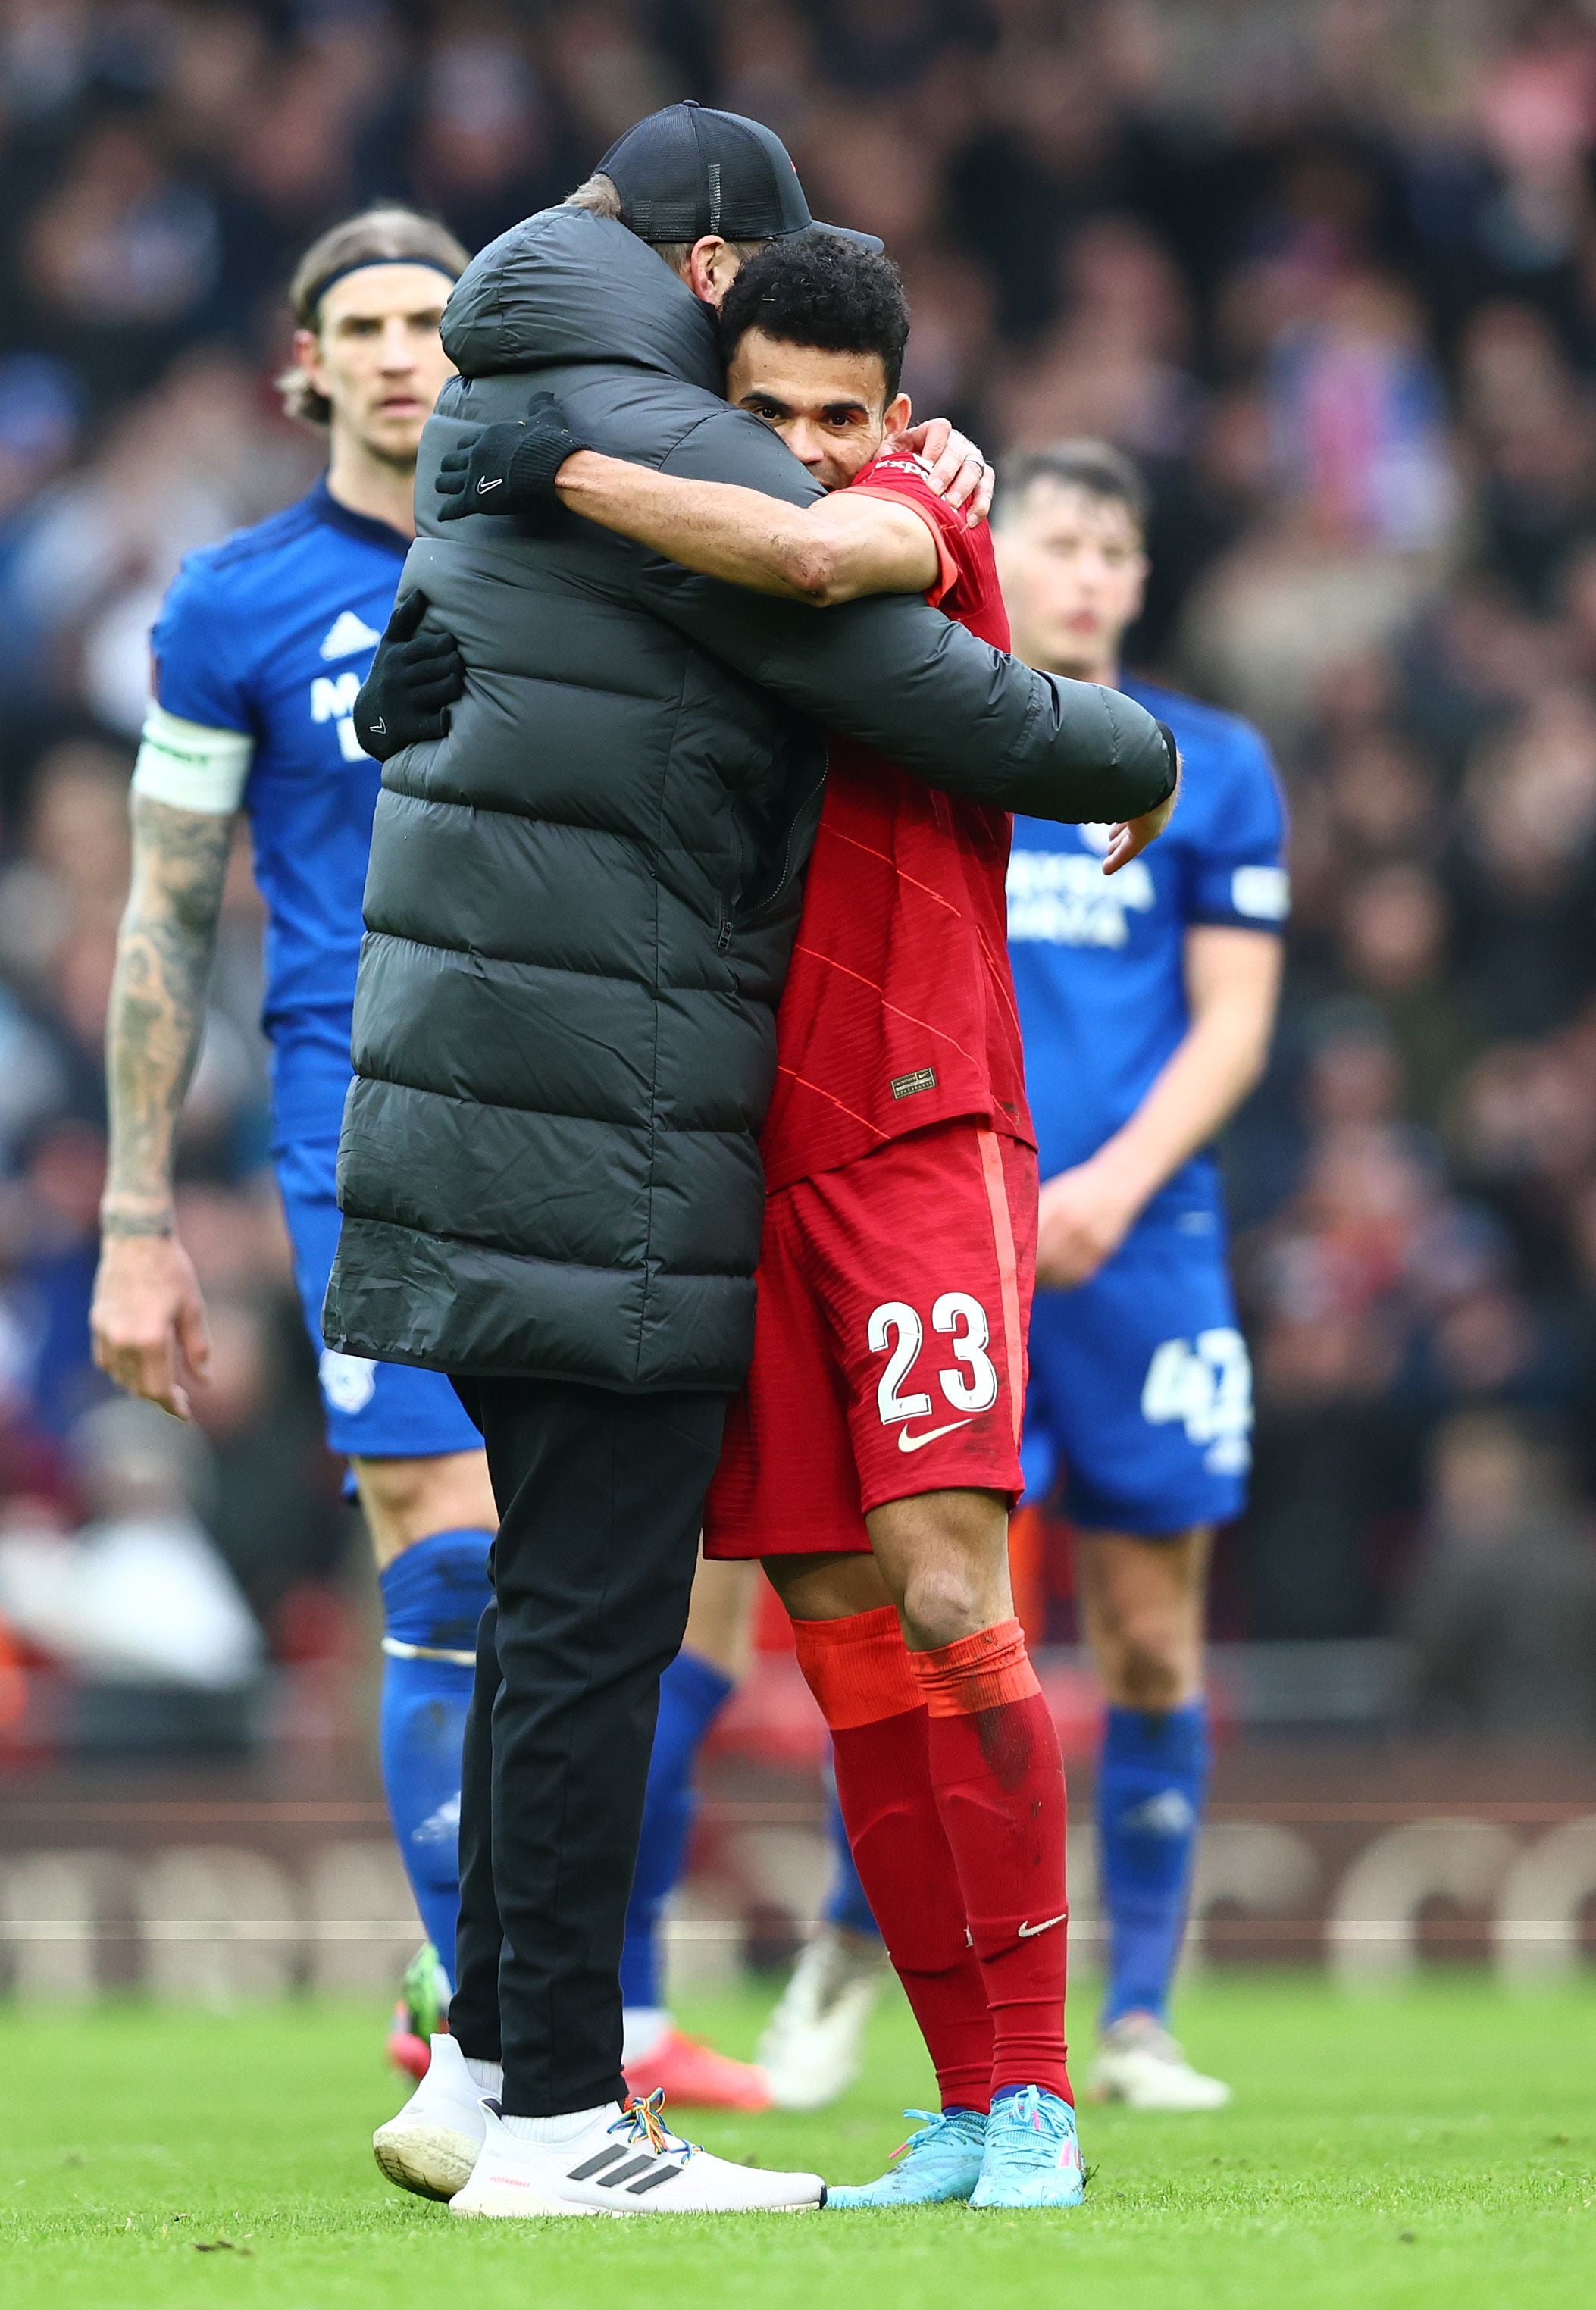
(621, 2161)
(813, 2045)
(1141, 2066)
(431, 2144)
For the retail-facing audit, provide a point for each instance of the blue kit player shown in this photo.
(1147, 1003)
(262, 644)
(260, 649)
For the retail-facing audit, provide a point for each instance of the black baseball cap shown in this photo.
(689, 170)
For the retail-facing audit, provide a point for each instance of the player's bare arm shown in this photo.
(831, 412)
(837, 550)
(148, 1319)
(844, 546)
(1233, 980)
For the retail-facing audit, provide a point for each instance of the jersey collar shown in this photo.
(363, 526)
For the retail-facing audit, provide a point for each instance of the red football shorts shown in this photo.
(894, 1295)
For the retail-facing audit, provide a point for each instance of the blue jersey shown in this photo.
(1099, 960)
(270, 634)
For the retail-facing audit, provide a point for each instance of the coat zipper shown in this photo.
(785, 876)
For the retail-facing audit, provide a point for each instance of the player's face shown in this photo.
(830, 409)
(1073, 573)
(377, 356)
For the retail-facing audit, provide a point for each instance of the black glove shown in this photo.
(510, 469)
(415, 678)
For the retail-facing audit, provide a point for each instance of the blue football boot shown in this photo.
(939, 2165)
(1033, 2157)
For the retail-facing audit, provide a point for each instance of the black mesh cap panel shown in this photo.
(690, 171)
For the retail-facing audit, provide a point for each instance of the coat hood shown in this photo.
(566, 286)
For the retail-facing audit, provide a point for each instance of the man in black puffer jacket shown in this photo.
(579, 910)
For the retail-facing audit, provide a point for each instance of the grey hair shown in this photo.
(600, 197)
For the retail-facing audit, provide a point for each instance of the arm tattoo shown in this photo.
(158, 1003)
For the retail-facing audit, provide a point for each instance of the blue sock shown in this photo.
(691, 1694)
(846, 1905)
(1152, 1782)
(433, 1595)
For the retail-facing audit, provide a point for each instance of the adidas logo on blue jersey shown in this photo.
(347, 634)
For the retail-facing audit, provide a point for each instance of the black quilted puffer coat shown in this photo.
(581, 901)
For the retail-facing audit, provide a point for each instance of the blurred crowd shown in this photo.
(1328, 267)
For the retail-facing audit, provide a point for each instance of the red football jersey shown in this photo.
(899, 1007)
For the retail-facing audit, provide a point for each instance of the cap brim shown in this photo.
(866, 241)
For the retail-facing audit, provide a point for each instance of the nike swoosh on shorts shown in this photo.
(907, 1443)
(1029, 1932)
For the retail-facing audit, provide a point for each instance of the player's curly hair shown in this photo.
(820, 289)
(379, 236)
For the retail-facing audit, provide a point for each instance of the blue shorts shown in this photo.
(1141, 1394)
(374, 1411)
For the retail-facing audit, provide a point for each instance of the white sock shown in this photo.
(488, 2077)
(559, 2129)
(642, 2028)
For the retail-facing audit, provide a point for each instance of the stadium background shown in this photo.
(1329, 269)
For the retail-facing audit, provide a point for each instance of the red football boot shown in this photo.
(406, 2051)
(697, 2076)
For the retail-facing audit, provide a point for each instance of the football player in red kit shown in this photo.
(872, 1460)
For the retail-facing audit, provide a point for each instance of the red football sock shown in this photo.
(1000, 1785)
(858, 1670)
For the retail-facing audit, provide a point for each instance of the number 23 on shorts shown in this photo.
(969, 1383)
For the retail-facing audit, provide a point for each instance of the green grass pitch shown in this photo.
(1436, 2149)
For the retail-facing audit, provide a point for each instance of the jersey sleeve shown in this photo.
(903, 478)
(1238, 877)
(196, 668)
(199, 732)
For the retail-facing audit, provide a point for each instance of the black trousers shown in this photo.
(600, 1500)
